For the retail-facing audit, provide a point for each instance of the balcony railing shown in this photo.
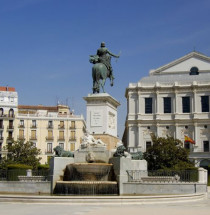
(61, 127)
(49, 151)
(33, 126)
(10, 127)
(1, 138)
(1, 126)
(72, 139)
(33, 138)
(7, 116)
(21, 126)
(61, 138)
(49, 138)
(21, 138)
(72, 127)
(10, 138)
(50, 127)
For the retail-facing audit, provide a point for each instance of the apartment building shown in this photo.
(45, 126)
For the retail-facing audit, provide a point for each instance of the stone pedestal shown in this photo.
(102, 117)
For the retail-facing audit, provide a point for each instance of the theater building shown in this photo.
(172, 100)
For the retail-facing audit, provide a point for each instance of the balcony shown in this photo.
(33, 126)
(1, 126)
(61, 139)
(21, 138)
(1, 138)
(49, 138)
(61, 127)
(33, 138)
(49, 151)
(72, 139)
(7, 116)
(50, 127)
(21, 126)
(10, 127)
(10, 138)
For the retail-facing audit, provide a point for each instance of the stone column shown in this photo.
(176, 102)
(194, 101)
(139, 103)
(157, 110)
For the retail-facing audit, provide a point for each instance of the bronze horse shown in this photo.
(99, 74)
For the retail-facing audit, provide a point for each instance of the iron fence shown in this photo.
(12, 175)
(164, 176)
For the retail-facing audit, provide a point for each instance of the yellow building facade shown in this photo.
(45, 126)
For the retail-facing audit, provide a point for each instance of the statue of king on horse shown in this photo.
(102, 68)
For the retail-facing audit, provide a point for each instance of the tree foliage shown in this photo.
(20, 152)
(167, 153)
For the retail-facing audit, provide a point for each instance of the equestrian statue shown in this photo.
(102, 68)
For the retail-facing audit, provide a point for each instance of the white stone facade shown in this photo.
(179, 95)
(101, 114)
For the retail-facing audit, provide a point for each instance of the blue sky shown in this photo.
(45, 44)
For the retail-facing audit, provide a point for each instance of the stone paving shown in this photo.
(192, 208)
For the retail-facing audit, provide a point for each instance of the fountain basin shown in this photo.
(92, 171)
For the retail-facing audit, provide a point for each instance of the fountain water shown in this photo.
(90, 174)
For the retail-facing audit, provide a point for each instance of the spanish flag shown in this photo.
(188, 139)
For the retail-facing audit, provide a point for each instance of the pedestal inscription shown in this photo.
(96, 118)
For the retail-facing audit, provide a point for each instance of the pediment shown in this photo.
(184, 64)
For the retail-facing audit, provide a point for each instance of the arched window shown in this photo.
(11, 113)
(194, 71)
(1, 111)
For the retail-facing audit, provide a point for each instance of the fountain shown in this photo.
(90, 173)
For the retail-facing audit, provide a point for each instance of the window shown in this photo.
(167, 104)
(1, 124)
(186, 145)
(11, 99)
(194, 71)
(206, 146)
(148, 105)
(186, 104)
(50, 134)
(1, 111)
(49, 148)
(33, 134)
(10, 124)
(61, 135)
(72, 147)
(72, 135)
(21, 123)
(148, 145)
(61, 145)
(204, 103)
(34, 123)
(11, 113)
(1, 135)
(61, 124)
(21, 134)
(73, 124)
(1, 99)
(50, 124)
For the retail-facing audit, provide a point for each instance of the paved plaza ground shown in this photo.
(192, 208)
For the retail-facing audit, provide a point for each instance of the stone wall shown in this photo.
(17, 187)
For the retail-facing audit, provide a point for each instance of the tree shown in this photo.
(167, 153)
(20, 152)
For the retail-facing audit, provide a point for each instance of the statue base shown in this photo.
(102, 116)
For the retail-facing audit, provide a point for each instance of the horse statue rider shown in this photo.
(102, 68)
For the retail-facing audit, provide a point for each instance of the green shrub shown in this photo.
(18, 166)
(43, 167)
